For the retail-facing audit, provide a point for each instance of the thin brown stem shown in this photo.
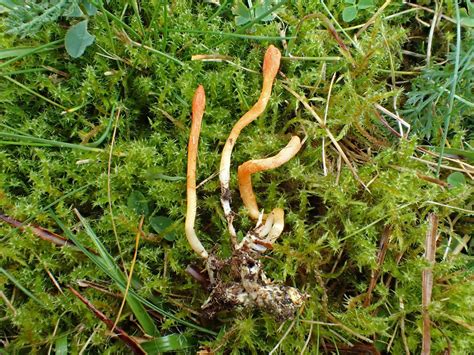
(127, 339)
(427, 281)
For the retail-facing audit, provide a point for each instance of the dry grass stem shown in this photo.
(373, 18)
(328, 132)
(129, 277)
(442, 165)
(127, 339)
(211, 57)
(323, 144)
(427, 280)
(397, 118)
(109, 190)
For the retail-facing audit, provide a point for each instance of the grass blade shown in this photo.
(137, 308)
(35, 93)
(22, 52)
(20, 286)
(24, 139)
(172, 342)
(127, 339)
(447, 119)
(121, 280)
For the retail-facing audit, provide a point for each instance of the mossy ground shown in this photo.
(330, 245)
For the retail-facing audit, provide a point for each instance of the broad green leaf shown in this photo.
(365, 4)
(349, 1)
(138, 202)
(349, 13)
(90, 9)
(467, 17)
(163, 226)
(73, 11)
(6, 5)
(78, 39)
(61, 345)
(456, 179)
(262, 8)
(172, 342)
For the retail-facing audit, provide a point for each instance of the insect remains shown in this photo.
(240, 281)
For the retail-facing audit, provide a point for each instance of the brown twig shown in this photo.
(127, 339)
(427, 281)
(40, 232)
(332, 30)
(383, 246)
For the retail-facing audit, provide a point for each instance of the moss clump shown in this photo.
(331, 245)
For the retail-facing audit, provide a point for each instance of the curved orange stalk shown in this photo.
(250, 167)
(271, 64)
(199, 103)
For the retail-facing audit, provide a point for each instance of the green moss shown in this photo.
(333, 225)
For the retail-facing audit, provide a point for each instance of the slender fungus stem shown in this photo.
(199, 103)
(253, 166)
(271, 64)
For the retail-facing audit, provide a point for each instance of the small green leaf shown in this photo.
(90, 9)
(161, 225)
(456, 179)
(61, 345)
(365, 4)
(138, 202)
(467, 19)
(349, 1)
(262, 8)
(349, 13)
(73, 11)
(242, 13)
(78, 39)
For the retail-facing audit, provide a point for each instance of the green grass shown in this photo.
(58, 120)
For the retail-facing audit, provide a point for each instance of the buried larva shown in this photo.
(240, 281)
